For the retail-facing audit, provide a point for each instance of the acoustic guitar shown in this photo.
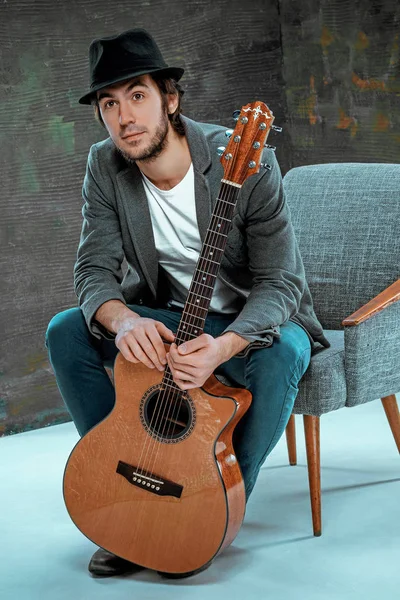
(157, 481)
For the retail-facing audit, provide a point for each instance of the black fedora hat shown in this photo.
(118, 57)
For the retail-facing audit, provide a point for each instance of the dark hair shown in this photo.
(166, 86)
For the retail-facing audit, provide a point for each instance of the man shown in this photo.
(149, 191)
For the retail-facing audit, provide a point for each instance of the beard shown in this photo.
(156, 146)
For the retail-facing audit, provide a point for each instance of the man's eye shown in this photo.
(106, 104)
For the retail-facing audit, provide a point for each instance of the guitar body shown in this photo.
(167, 502)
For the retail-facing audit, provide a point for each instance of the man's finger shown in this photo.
(194, 345)
(137, 351)
(125, 350)
(183, 376)
(181, 360)
(164, 331)
(158, 345)
(148, 349)
(182, 367)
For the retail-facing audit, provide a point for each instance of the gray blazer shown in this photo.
(261, 262)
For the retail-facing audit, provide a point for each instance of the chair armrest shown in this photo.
(372, 356)
(388, 296)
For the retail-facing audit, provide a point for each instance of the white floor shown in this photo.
(275, 556)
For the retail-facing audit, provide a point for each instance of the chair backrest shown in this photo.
(346, 217)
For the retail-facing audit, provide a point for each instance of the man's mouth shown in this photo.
(130, 135)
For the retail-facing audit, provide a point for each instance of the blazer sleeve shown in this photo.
(97, 270)
(275, 263)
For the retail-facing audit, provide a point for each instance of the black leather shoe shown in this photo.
(106, 564)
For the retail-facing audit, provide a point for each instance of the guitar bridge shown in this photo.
(150, 482)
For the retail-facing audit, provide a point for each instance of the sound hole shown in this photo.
(167, 418)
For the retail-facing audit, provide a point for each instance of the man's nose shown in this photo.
(126, 114)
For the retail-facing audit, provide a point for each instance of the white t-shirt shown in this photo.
(178, 242)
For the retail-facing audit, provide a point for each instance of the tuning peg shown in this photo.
(273, 148)
(228, 133)
(235, 115)
(266, 166)
(276, 128)
(221, 150)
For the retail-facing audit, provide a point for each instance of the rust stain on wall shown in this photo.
(309, 106)
(326, 37)
(382, 122)
(342, 74)
(368, 84)
(346, 122)
(362, 41)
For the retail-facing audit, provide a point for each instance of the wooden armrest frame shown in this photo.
(388, 296)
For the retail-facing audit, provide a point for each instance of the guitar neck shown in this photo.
(240, 160)
(201, 288)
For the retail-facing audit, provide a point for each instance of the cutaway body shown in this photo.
(162, 490)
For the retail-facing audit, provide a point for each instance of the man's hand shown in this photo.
(193, 362)
(139, 340)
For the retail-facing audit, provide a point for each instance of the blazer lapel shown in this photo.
(135, 205)
(136, 209)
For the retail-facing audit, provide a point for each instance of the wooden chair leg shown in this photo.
(311, 431)
(291, 440)
(393, 416)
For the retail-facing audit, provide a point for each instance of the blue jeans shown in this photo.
(271, 374)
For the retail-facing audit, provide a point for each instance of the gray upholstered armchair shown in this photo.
(347, 221)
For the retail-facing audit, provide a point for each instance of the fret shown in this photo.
(212, 232)
(175, 387)
(207, 273)
(197, 306)
(210, 260)
(222, 212)
(224, 218)
(201, 283)
(215, 247)
(192, 324)
(226, 201)
(217, 232)
(196, 294)
(182, 339)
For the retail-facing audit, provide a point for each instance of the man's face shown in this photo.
(136, 107)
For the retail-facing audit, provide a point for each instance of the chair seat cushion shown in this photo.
(323, 386)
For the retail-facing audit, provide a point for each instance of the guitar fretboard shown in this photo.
(201, 288)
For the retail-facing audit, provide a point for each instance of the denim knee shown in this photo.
(293, 345)
(63, 324)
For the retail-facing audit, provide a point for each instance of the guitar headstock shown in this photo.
(241, 158)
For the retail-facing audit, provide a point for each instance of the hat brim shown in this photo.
(174, 72)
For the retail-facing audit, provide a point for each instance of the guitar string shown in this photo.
(223, 213)
(242, 173)
(193, 318)
(166, 394)
(165, 397)
(169, 404)
(228, 211)
(227, 192)
(182, 392)
(231, 192)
